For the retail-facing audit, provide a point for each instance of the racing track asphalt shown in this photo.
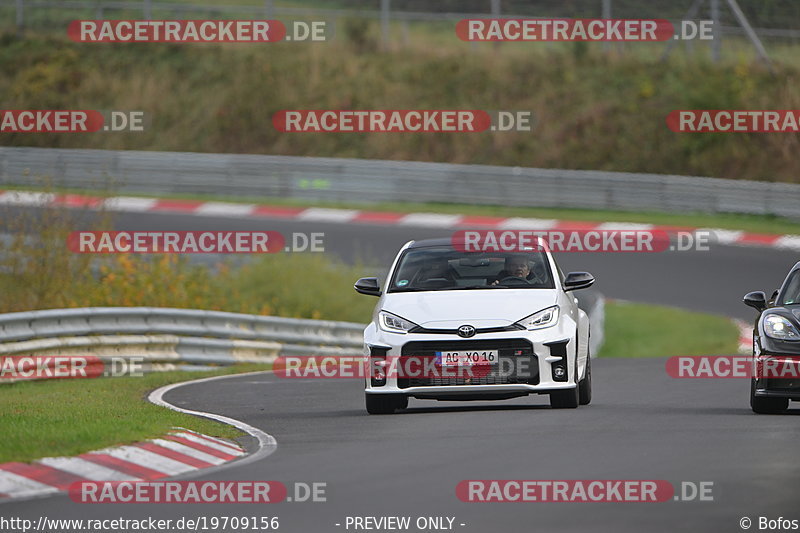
(642, 424)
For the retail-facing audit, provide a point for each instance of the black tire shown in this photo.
(385, 404)
(766, 406)
(585, 385)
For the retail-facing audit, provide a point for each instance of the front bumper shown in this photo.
(541, 351)
(777, 372)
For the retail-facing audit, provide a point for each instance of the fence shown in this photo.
(314, 179)
(777, 20)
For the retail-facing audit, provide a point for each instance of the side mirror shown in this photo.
(578, 280)
(757, 300)
(368, 286)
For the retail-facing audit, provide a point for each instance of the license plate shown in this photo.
(467, 358)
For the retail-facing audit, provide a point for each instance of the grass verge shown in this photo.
(641, 330)
(70, 417)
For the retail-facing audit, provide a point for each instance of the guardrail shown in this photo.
(171, 338)
(359, 180)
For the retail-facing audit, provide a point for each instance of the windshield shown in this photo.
(791, 296)
(444, 269)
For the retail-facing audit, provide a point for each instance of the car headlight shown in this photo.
(543, 319)
(394, 323)
(778, 327)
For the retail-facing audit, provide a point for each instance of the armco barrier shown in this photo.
(359, 180)
(174, 337)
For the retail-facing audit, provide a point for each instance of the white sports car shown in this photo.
(458, 325)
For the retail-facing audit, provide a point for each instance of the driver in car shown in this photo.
(516, 266)
(437, 269)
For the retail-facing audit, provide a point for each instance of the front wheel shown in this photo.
(766, 406)
(385, 404)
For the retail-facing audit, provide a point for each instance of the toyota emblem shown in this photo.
(466, 331)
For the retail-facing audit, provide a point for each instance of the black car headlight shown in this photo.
(779, 327)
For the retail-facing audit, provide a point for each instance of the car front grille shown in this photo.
(517, 363)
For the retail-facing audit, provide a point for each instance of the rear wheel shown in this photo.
(585, 386)
(385, 404)
(766, 406)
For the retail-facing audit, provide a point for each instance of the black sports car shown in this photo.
(776, 346)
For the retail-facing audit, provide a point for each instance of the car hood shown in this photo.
(483, 308)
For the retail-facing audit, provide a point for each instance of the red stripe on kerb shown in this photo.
(378, 217)
(126, 467)
(277, 211)
(757, 238)
(77, 200)
(43, 474)
(172, 454)
(215, 441)
(480, 221)
(205, 449)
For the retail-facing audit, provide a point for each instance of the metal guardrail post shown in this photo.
(20, 17)
(385, 23)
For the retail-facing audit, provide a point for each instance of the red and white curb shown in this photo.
(745, 336)
(353, 216)
(183, 453)
(177, 453)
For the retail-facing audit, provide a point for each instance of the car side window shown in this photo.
(792, 293)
